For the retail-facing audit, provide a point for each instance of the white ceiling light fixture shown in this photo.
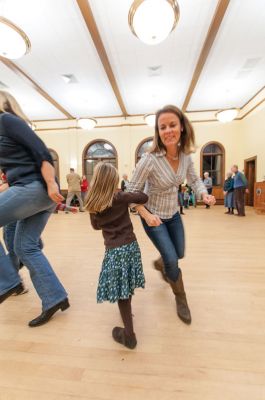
(86, 123)
(227, 115)
(153, 20)
(150, 119)
(14, 43)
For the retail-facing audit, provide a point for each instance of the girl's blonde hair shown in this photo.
(102, 189)
(187, 139)
(9, 104)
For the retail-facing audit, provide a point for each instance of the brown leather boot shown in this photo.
(159, 266)
(181, 300)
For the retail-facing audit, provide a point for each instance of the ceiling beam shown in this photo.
(94, 32)
(22, 74)
(211, 35)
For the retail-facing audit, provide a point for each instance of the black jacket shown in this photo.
(21, 151)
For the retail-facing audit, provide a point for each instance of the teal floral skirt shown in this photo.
(121, 273)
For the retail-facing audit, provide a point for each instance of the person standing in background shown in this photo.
(84, 188)
(240, 188)
(74, 189)
(208, 183)
(229, 193)
(124, 182)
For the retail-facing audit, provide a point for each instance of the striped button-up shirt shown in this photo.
(155, 176)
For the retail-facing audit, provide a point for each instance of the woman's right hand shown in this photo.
(153, 220)
(53, 192)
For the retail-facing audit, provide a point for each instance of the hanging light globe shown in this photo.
(150, 119)
(153, 20)
(14, 43)
(227, 115)
(86, 123)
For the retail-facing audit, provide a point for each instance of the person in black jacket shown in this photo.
(30, 199)
(229, 193)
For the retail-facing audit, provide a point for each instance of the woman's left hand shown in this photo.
(208, 199)
(53, 192)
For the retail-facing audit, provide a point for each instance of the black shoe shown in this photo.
(46, 315)
(17, 290)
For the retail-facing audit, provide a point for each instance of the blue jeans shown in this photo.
(9, 232)
(169, 239)
(29, 207)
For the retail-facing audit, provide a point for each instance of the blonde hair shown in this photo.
(187, 139)
(102, 189)
(9, 104)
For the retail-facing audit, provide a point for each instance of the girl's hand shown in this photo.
(53, 192)
(208, 199)
(153, 220)
(4, 187)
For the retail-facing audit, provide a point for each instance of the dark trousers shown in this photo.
(239, 194)
(169, 240)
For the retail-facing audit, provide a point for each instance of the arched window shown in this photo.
(213, 161)
(97, 151)
(142, 148)
(55, 159)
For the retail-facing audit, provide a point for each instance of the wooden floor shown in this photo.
(220, 356)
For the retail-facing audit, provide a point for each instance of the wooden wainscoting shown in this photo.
(259, 197)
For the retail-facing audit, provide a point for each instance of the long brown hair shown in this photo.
(9, 104)
(187, 139)
(102, 189)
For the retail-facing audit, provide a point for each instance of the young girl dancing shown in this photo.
(122, 270)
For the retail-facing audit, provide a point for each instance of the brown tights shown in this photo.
(126, 315)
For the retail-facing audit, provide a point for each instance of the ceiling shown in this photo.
(116, 74)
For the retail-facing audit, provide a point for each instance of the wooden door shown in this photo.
(250, 173)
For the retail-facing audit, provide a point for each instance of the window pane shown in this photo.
(208, 149)
(100, 150)
(212, 148)
(207, 162)
(216, 162)
(216, 148)
(146, 146)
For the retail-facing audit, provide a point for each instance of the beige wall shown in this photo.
(253, 138)
(241, 139)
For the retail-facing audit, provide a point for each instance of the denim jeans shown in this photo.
(169, 239)
(30, 207)
(9, 232)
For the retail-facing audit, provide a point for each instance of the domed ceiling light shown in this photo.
(14, 43)
(227, 115)
(150, 119)
(86, 123)
(153, 20)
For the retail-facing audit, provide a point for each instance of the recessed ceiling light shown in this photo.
(69, 78)
(155, 70)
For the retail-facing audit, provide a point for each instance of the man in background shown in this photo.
(208, 184)
(240, 188)
(74, 189)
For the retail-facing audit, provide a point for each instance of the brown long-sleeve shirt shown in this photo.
(115, 221)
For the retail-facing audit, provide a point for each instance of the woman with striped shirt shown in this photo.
(161, 172)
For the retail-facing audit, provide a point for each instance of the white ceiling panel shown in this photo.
(32, 103)
(61, 44)
(131, 59)
(235, 69)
